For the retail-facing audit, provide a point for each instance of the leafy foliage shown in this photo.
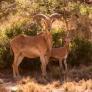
(81, 52)
(58, 35)
(22, 28)
(4, 52)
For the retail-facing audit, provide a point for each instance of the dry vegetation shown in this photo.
(27, 85)
(79, 80)
(15, 16)
(56, 86)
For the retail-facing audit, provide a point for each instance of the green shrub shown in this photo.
(81, 52)
(58, 35)
(4, 52)
(22, 28)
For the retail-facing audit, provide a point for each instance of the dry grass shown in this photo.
(81, 86)
(27, 85)
(56, 86)
(75, 84)
(31, 86)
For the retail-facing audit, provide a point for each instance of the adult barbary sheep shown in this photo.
(33, 46)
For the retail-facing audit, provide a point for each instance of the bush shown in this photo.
(58, 35)
(81, 52)
(4, 52)
(22, 28)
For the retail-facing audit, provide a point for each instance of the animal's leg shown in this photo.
(43, 66)
(46, 59)
(65, 63)
(61, 65)
(20, 58)
(66, 72)
(62, 75)
(14, 65)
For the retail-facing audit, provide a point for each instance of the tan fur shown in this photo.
(33, 46)
(61, 53)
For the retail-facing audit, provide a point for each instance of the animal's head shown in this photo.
(67, 41)
(48, 20)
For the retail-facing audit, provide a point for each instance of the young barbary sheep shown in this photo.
(61, 53)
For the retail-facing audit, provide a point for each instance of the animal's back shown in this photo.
(18, 41)
(58, 52)
(27, 43)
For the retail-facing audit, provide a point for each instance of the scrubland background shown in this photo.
(16, 18)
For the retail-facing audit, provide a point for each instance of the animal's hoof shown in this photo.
(42, 80)
(17, 78)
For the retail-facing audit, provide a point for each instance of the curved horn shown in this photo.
(40, 16)
(55, 16)
(46, 19)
